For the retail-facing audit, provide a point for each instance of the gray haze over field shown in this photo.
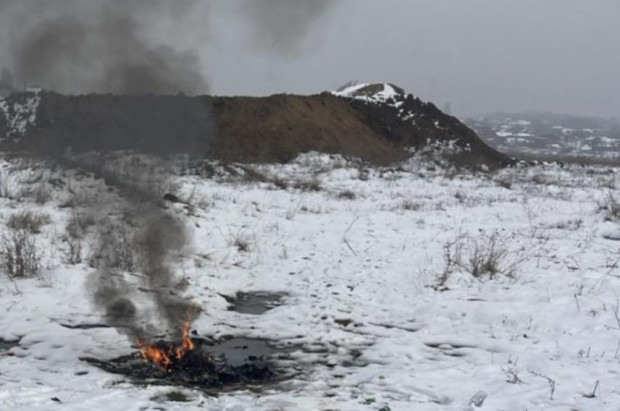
(479, 55)
(97, 45)
(135, 46)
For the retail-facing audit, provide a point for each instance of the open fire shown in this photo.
(167, 356)
(189, 362)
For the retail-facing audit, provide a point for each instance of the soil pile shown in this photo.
(376, 122)
(279, 127)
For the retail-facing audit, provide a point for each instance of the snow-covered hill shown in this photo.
(376, 266)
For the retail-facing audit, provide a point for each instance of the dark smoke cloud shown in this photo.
(279, 26)
(136, 46)
(102, 45)
(144, 237)
(160, 239)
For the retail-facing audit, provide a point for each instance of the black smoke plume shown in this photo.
(137, 46)
(145, 239)
(108, 46)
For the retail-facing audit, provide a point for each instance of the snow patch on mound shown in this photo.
(389, 95)
(372, 92)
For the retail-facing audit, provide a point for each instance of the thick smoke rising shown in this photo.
(144, 237)
(136, 46)
(102, 46)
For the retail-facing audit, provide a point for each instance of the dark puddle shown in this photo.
(84, 326)
(451, 349)
(255, 303)
(231, 363)
(241, 350)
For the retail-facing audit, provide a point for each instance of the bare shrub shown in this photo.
(280, 183)
(411, 205)
(243, 241)
(486, 256)
(611, 208)
(347, 195)
(607, 182)
(78, 224)
(204, 203)
(312, 184)
(28, 221)
(363, 174)
(252, 175)
(460, 196)
(19, 256)
(25, 163)
(482, 256)
(542, 179)
(572, 225)
(5, 186)
(452, 255)
(198, 200)
(158, 187)
(41, 193)
(82, 198)
(504, 181)
(73, 253)
(9, 188)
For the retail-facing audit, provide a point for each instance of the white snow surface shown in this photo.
(539, 340)
(353, 91)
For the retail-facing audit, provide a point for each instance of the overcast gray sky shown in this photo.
(479, 55)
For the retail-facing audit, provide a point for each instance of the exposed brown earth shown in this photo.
(279, 127)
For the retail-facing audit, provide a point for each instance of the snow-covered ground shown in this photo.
(363, 262)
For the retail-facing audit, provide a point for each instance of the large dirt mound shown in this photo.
(376, 122)
(279, 127)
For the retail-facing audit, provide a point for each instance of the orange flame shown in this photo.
(187, 345)
(164, 358)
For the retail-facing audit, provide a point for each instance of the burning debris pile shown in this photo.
(139, 294)
(187, 363)
(167, 355)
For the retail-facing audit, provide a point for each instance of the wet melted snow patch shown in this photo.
(255, 303)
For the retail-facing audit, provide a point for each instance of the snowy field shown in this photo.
(413, 288)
